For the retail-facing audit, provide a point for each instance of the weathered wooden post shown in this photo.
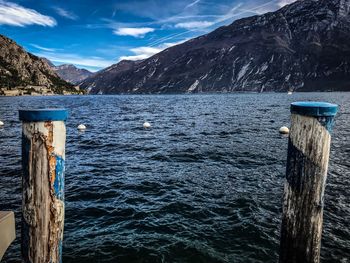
(43, 155)
(307, 164)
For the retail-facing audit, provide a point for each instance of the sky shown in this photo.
(95, 34)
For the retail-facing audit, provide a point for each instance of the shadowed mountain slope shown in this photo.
(304, 46)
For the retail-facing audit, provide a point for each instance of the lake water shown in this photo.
(204, 184)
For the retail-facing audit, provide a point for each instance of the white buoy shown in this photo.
(81, 127)
(284, 130)
(1, 123)
(146, 125)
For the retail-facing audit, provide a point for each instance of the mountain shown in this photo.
(20, 70)
(48, 62)
(71, 73)
(304, 46)
(105, 77)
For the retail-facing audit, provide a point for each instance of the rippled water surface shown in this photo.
(204, 184)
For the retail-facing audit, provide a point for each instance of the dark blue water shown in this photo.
(204, 184)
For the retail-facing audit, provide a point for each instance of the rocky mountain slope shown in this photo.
(48, 62)
(71, 73)
(19, 68)
(105, 77)
(304, 46)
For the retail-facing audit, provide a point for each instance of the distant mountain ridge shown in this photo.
(71, 73)
(304, 46)
(22, 70)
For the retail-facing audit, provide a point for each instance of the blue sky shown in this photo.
(94, 34)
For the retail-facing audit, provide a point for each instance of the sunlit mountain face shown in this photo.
(96, 34)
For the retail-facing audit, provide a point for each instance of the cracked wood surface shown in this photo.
(43, 207)
(307, 164)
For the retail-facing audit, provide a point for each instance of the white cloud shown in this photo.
(43, 48)
(95, 62)
(142, 53)
(16, 15)
(65, 13)
(133, 31)
(194, 24)
(146, 52)
(282, 3)
(134, 58)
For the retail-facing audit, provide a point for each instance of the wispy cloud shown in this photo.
(219, 19)
(114, 12)
(192, 4)
(65, 13)
(194, 24)
(43, 48)
(146, 52)
(92, 62)
(282, 3)
(235, 12)
(152, 9)
(133, 31)
(15, 15)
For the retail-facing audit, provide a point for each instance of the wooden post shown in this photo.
(307, 164)
(43, 155)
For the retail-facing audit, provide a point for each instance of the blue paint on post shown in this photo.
(60, 251)
(59, 178)
(34, 115)
(323, 111)
(327, 122)
(314, 108)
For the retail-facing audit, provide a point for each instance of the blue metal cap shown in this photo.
(43, 115)
(314, 108)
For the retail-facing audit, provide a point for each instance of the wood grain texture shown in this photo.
(43, 211)
(307, 164)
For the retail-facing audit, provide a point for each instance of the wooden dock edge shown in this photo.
(7, 230)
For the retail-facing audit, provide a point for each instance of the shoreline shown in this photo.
(170, 94)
